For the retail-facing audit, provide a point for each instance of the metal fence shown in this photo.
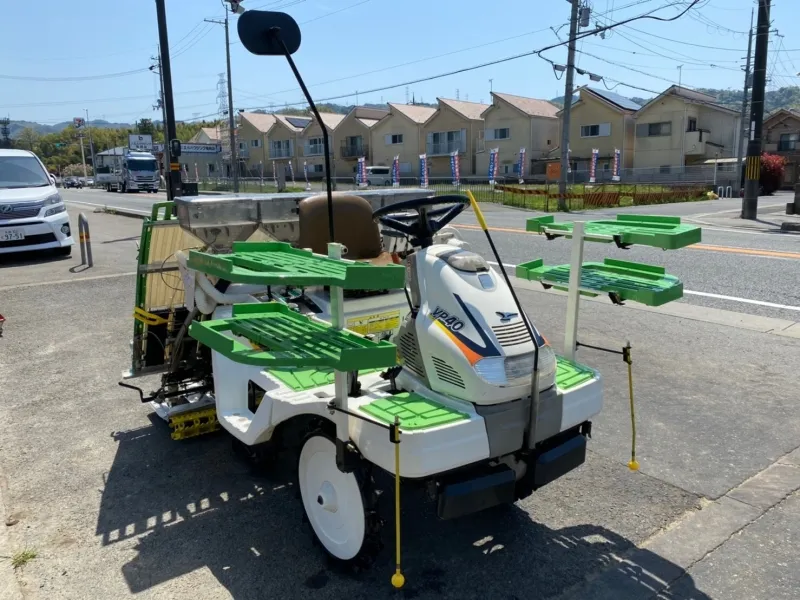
(533, 193)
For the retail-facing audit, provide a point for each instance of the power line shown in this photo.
(683, 43)
(405, 64)
(595, 31)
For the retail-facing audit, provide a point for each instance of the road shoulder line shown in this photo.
(718, 316)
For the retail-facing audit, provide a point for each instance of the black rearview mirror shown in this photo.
(257, 29)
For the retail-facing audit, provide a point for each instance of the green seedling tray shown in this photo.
(570, 374)
(637, 282)
(278, 263)
(280, 337)
(413, 411)
(667, 233)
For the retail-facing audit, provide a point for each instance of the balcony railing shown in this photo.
(280, 152)
(314, 150)
(354, 150)
(440, 148)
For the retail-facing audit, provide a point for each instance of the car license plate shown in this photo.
(11, 235)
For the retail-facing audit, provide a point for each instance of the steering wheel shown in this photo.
(426, 222)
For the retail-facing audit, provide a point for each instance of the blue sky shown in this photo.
(358, 44)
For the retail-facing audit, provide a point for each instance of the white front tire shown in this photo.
(332, 500)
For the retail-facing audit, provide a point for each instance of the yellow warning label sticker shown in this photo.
(375, 323)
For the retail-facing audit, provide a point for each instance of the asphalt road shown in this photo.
(113, 508)
(755, 273)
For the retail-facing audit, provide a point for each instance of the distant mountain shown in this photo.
(16, 126)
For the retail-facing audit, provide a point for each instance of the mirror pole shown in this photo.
(277, 34)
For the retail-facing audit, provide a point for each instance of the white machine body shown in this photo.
(468, 339)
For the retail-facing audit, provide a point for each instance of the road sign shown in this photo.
(79, 122)
(141, 142)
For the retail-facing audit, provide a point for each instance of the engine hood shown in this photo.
(30, 194)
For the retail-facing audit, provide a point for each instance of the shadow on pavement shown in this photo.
(31, 257)
(192, 505)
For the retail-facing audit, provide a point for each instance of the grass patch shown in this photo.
(22, 558)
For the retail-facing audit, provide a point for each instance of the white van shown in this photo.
(379, 175)
(32, 213)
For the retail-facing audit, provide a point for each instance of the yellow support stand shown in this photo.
(633, 464)
(148, 318)
(398, 579)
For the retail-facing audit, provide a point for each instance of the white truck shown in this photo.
(125, 170)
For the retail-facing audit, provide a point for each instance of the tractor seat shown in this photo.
(353, 227)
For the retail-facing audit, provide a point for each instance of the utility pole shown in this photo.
(83, 156)
(566, 112)
(743, 118)
(159, 105)
(174, 176)
(231, 123)
(91, 142)
(753, 170)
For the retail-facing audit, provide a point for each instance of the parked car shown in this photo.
(32, 212)
(73, 182)
(379, 175)
(89, 181)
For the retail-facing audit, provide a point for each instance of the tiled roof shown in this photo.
(469, 110)
(418, 114)
(261, 121)
(530, 106)
(331, 120)
(211, 132)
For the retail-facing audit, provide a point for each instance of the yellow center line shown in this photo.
(706, 247)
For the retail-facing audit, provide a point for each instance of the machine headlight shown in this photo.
(54, 199)
(55, 210)
(517, 370)
(492, 370)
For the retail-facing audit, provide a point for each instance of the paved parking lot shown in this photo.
(90, 480)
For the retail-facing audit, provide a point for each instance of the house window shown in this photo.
(606, 166)
(280, 148)
(692, 124)
(393, 139)
(653, 129)
(549, 142)
(599, 130)
(405, 167)
(255, 143)
(317, 168)
(211, 169)
(788, 142)
(505, 169)
(242, 145)
(498, 134)
(664, 169)
(314, 146)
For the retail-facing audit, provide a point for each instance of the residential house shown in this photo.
(400, 133)
(782, 136)
(603, 120)
(683, 127)
(251, 141)
(456, 126)
(313, 147)
(282, 147)
(515, 122)
(206, 135)
(353, 137)
(201, 155)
